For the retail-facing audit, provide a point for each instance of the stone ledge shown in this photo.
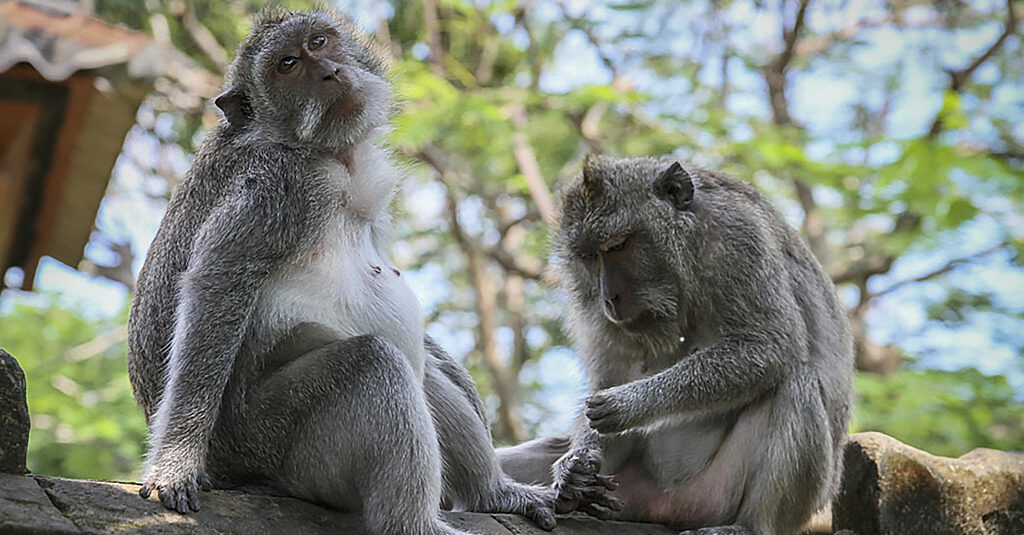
(38, 505)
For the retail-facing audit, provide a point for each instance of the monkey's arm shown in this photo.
(236, 249)
(727, 374)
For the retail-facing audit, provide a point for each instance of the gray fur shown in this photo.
(271, 344)
(739, 428)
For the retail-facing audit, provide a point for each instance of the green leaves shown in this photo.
(85, 422)
(943, 412)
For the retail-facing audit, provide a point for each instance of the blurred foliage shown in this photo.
(681, 78)
(84, 419)
(942, 412)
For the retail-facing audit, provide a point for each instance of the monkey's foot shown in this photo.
(580, 487)
(534, 502)
(719, 530)
(179, 493)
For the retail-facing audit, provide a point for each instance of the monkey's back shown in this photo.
(826, 351)
(790, 266)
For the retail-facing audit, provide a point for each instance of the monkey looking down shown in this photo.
(271, 342)
(719, 360)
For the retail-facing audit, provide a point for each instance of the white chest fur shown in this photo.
(347, 282)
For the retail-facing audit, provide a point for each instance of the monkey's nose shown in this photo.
(609, 308)
(333, 75)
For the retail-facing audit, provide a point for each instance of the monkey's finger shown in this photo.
(609, 424)
(597, 511)
(582, 471)
(601, 424)
(598, 412)
(565, 504)
(586, 466)
(609, 482)
(608, 502)
(592, 491)
(596, 400)
(145, 490)
(592, 480)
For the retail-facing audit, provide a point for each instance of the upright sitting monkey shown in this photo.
(271, 342)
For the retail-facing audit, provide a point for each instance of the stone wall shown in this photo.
(889, 488)
(47, 505)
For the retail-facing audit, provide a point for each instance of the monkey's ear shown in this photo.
(675, 186)
(234, 106)
(592, 182)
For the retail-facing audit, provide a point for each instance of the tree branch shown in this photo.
(790, 36)
(945, 268)
(582, 24)
(432, 29)
(201, 36)
(958, 78)
(814, 223)
(509, 262)
(527, 162)
(873, 264)
(775, 72)
(509, 425)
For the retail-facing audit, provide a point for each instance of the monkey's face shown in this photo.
(308, 79)
(622, 243)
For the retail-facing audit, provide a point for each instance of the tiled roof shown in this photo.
(58, 43)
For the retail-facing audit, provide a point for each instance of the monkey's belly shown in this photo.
(351, 287)
(687, 476)
(695, 504)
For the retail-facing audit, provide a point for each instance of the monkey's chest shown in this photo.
(349, 285)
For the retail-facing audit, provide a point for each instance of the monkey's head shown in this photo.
(309, 79)
(627, 244)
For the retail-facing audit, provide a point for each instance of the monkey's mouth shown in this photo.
(346, 104)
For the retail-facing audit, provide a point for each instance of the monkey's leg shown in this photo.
(795, 460)
(779, 455)
(530, 462)
(353, 431)
(473, 478)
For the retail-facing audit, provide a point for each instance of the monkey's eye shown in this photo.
(589, 257)
(316, 42)
(287, 64)
(616, 245)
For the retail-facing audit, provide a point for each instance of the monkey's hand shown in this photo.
(614, 409)
(177, 484)
(580, 487)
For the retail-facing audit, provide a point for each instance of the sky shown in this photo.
(988, 342)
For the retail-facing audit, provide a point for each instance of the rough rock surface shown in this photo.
(14, 422)
(47, 505)
(893, 489)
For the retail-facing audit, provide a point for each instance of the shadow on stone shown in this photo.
(890, 488)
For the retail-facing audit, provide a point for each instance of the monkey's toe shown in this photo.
(544, 517)
(183, 499)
